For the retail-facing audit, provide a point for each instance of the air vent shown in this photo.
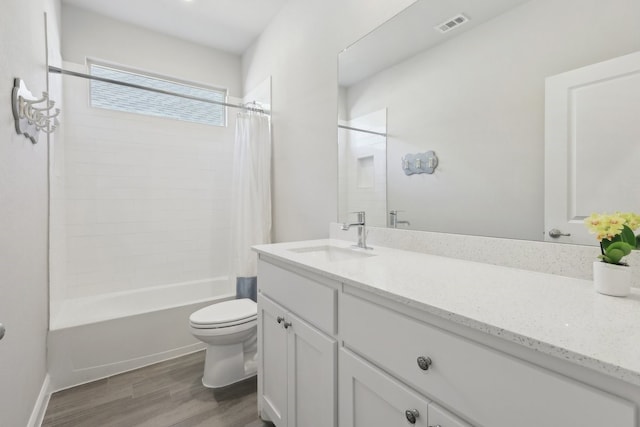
(452, 23)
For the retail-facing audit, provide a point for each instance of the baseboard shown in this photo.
(40, 408)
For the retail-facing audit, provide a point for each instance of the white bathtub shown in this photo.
(94, 337)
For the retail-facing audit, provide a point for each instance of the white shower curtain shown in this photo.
(251, 211)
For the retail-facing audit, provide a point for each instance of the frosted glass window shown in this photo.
(133, 100)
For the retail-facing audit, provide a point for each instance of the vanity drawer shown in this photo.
(309, 299)
(483, 385)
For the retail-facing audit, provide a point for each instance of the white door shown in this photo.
(592, 145)
(272, 353)
(312, 376)
(370, 398)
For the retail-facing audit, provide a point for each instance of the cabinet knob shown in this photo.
(424, 363)
(412, 415)
(287, 324)
(280, 319)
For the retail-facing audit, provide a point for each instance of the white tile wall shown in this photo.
(57, 208)
(146, 199)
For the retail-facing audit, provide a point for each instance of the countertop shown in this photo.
(560, 316)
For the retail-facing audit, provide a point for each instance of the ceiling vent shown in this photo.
(452, 23)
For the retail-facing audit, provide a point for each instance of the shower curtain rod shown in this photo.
(362, 130)
(150, 89)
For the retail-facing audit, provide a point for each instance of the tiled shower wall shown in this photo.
(362, 175)
(147, 199)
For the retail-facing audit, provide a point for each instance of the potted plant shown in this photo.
(615, 233)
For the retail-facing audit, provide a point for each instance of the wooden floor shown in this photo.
(161, 395)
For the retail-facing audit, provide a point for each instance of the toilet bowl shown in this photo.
(229, 329)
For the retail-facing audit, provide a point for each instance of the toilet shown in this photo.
(229, 329)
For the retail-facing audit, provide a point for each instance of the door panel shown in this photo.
(592, 147)
(312, 376)
(272, 353)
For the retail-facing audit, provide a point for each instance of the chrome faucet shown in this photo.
(362, 232)
(393, 219)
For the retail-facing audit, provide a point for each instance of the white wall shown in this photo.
(23, 216)
(147, 199)
(86, 34)
(299, 50)
(478, 102)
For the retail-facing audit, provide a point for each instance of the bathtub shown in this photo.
(98, 336)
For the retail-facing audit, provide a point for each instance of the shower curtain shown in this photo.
(251, 211)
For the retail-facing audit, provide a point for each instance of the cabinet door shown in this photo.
(441, 417)
(272, 368)
(311, 360)
(370, 398)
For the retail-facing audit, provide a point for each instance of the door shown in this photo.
(272, 354)
(311, 359)
(592, 145)
(370, 398)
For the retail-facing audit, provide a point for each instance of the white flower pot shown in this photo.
(612, 279)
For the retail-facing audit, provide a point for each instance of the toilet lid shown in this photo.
(226, 312)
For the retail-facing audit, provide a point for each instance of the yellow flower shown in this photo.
(592, 222)
(631, 220)
(606, 226)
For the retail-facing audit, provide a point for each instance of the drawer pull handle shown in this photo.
(424, 363)
(287, 324)
(280, 319)
(438, 425)
(412, 415)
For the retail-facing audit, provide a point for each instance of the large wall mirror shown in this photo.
(445, 111)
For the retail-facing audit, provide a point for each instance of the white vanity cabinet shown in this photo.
(346, 353)
(297, 379)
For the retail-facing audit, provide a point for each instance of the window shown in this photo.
(133, 100)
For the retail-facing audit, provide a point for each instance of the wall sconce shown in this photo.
(31, 114)
(420, 163)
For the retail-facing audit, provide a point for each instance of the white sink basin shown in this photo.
(332, 253)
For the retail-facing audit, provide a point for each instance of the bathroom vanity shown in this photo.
(390, 338)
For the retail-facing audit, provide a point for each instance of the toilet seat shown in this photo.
(229, 330)
(225, 314)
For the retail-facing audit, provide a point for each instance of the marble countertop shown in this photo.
(556, 315)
